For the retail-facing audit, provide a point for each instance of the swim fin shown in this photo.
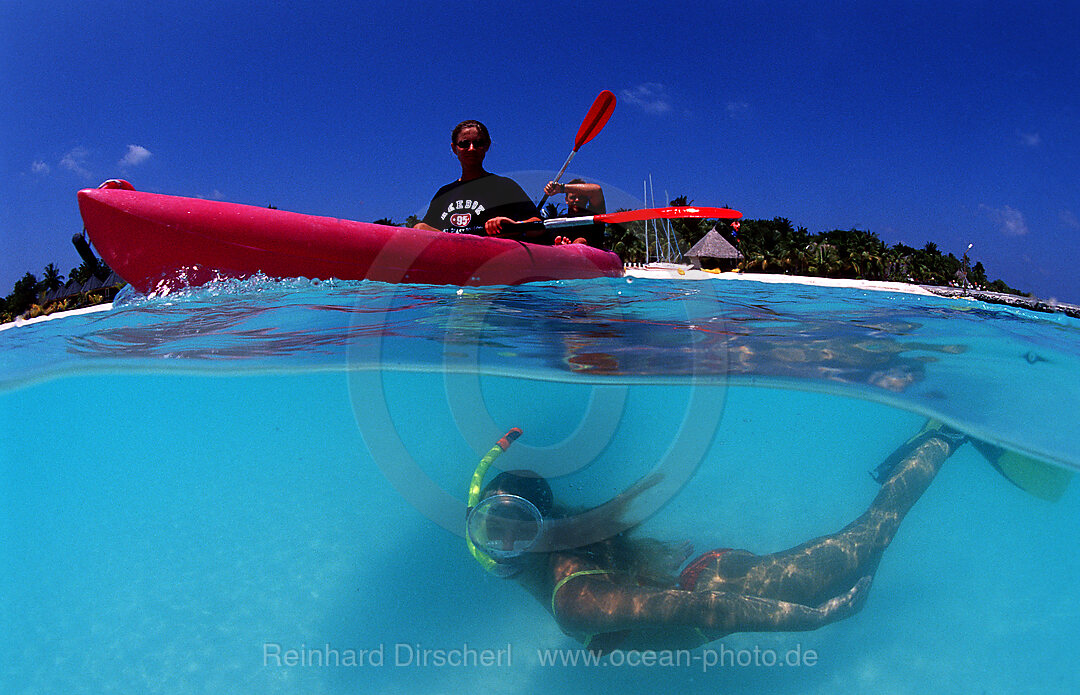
(931, 429)
(1035, 477)
(1039, 479)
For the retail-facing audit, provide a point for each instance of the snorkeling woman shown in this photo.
(621, 592)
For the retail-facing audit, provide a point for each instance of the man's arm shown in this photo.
(592, 191)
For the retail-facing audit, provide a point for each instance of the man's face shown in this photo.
(576, 202)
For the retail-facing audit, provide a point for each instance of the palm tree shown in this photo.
(51, 278)
(625, 241)
(23, 295)
(822, 259)
(86, 270)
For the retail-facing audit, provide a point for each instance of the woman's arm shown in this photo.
(596, 604)
(494, 226)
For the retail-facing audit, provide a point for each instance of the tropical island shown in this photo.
(776, 246)
(763, 246)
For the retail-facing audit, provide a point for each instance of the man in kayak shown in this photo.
(581, 199)
(479, 202)
(624, 592)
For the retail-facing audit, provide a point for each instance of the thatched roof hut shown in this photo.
(714, 251)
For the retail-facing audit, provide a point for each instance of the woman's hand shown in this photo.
(493, 227)
(847, 604)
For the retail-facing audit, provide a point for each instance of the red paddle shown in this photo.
(624, 216)
(663, 213)
(594, 122)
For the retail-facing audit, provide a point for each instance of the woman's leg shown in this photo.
(825, 567)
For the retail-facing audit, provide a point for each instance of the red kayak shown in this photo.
(147, 239)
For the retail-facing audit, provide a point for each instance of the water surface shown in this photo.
(194, 481)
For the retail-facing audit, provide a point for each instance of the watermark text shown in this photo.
(399, 655)
(706, 659)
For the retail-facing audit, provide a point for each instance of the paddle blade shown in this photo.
(595, 120)
(668, 213)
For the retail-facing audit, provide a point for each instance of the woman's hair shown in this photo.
(646, 560)
(525, 484)
(470, 124)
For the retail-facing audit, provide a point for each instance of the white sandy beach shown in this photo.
(59, 314)
(673, 271)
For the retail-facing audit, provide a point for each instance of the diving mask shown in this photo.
(504, 527)
(484, 517)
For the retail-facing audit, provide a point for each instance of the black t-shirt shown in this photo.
(594, 234)
(464, 207)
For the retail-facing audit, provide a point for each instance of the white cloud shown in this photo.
(1009, 220)
(1069, 219)
(75, 161)
(649, 96)
(1030, 139)
(136, 154)
(40, 167)
(736, 109)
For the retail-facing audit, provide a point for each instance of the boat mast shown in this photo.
(655, 232)
(645, 186)
(672, 239)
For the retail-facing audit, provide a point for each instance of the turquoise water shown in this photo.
(197, 485)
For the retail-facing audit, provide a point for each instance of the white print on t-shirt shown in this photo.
(474, 205)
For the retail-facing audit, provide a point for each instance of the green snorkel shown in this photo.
(475, 487)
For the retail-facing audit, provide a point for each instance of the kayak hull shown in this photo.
(153, 240)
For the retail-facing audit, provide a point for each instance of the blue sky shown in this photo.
(956, 122)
